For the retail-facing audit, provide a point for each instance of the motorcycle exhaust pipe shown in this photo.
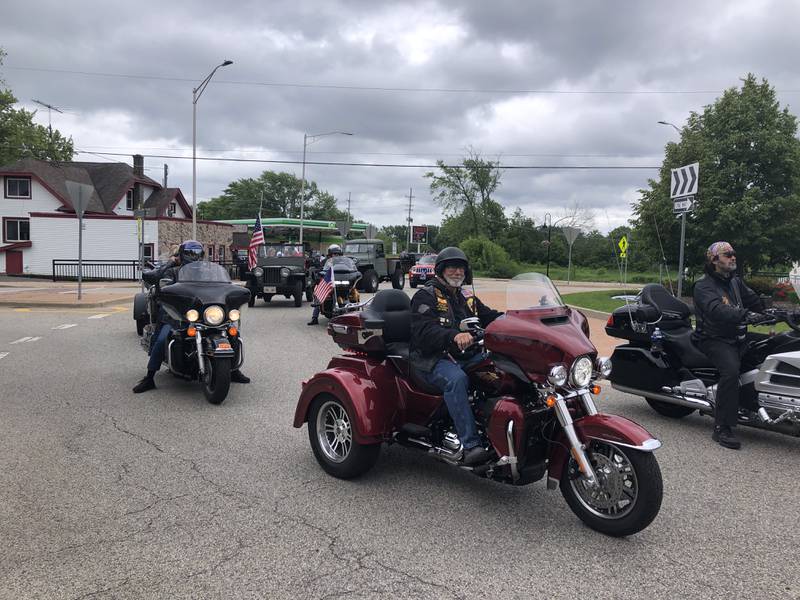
(671, 398)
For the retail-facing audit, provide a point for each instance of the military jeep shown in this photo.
(282, 268)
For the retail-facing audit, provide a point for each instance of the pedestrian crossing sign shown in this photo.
(623, 247)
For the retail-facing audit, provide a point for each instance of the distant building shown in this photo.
(39, 223)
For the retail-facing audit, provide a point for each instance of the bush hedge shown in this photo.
(488, 258)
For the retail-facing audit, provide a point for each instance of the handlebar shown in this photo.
(782, 315)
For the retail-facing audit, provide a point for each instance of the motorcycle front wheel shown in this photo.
(629, 491)
(330, 431)
(217, 379)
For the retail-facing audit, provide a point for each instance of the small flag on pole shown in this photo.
(324, 287)
(255, 241)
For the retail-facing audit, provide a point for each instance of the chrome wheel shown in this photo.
(617, 489)
(334, 432)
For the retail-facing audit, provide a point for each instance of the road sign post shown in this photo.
(80, 194)
(684, 184)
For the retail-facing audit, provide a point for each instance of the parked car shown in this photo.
(422, 271)
(282, 268)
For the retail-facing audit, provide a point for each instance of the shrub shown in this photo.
(489, 258)
(761, 285)
(784, 292)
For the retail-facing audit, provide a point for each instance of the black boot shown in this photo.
(147, 383)
(238, 377)
(725, 436)
(313, 321)
(475, 455)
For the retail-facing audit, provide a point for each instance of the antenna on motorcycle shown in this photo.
(663, 257)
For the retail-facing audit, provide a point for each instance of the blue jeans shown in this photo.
(157, 347)
(451, 379)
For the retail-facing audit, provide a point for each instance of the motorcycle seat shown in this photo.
(681, 344)
(674, 312)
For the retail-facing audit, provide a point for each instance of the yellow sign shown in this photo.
(623, 247)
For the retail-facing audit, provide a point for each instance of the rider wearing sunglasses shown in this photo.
(723, 305)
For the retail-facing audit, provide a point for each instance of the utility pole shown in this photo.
(348, 208)
(409, 219)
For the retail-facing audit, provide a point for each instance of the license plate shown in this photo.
(270, 289)
(422, 275)
(223, 346)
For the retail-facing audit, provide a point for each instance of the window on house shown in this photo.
(18, 187)
(129, 200)
(173, 208)
(147, 252)
(211, 253)
(221, 254)
(16, 230)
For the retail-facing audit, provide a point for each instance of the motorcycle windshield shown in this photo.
(341, 264)
(532, 291)
(203, 272)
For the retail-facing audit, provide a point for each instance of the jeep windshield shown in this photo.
(358, 248)
(427, 260)
(281, 251)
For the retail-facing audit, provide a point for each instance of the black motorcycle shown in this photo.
(344, 281)
(662, 363)
(203, 309)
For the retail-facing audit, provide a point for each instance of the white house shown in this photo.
(39, 223)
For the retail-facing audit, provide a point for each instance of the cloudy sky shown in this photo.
(536, 84)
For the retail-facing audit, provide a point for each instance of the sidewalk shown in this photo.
(44, 293)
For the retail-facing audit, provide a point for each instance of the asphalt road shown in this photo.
(107, 494)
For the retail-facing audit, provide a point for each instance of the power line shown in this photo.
(390, 165)
(378, 88)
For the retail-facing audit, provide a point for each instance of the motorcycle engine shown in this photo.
(451, 441)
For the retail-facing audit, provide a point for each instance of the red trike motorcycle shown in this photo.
(532, 395)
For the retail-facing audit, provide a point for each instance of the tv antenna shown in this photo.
(49, 108)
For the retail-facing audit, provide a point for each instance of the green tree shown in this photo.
(281, 194)
(468, 189)
(20, 137)
(749, 187)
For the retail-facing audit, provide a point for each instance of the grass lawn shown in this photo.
(603, 302)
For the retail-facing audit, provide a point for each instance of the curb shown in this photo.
(596, 314)
(99, 303)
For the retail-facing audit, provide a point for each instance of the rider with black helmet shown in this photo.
(436, 312)
(333, 250)
(188, 252)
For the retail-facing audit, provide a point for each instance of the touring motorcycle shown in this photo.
(344, 279)
(531, 393)
(203, 309)
(661, 363)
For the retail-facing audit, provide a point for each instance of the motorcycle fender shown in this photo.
(371, 409)
(608, 428)
(140, 306)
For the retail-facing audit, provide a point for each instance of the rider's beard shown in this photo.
(454, 281)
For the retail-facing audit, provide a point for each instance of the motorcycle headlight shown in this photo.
(285, 272)
(258, 272)
(604, 366)
(557, 375)
(234, 315)
(581, 372)
(192, 315)
(214, 315)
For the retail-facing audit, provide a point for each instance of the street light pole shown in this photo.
(196, 93)
(548, 221)
(307, 141)
(675, 127)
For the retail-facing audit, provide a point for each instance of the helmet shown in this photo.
(190, 251)
(452, 256)
(334, 249)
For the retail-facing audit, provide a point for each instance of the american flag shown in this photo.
(255, 241)
(325, 286)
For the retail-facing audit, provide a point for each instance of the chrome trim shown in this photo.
(339, 328)
(649, 445)
(701, 405)
(199, 342)
(241, 352)
(512, 456)
(565, 419)
(588, 403)
(169, 356)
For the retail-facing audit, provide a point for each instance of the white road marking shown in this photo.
(100, 316)
(25, 340)
(84, 289)
(3, 354)
(65, 326)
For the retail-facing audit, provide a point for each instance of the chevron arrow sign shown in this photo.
(684, 180)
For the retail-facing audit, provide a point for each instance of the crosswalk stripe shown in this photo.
(3, 354)
(21, 340)
(100, 316)
(65, 326)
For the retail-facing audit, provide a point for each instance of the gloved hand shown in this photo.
(753, 318)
